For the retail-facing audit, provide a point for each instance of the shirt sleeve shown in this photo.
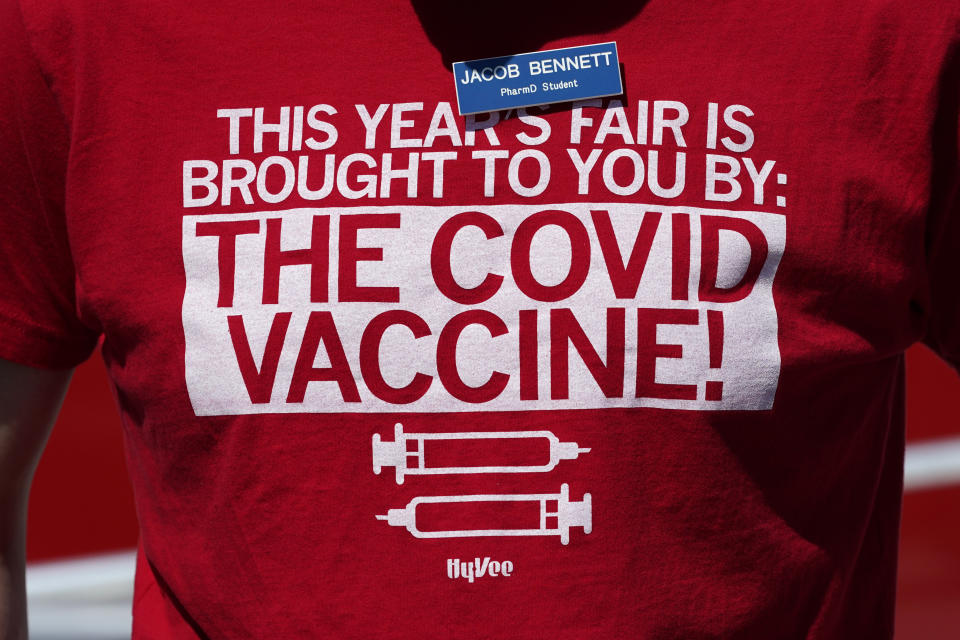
(38, 310)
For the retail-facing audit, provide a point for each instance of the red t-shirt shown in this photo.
(629, 368)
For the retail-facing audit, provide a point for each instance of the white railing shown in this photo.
(932, 464)
(81, 598)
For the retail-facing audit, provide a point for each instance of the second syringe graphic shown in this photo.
(471, 452)
(547, 514)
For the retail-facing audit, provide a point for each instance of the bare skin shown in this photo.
(29, 401)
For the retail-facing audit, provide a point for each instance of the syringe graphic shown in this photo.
(397, 454)
(552, 523)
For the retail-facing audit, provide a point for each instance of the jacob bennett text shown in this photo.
(545, 86)
(536, 67)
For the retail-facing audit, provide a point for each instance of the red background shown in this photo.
(82, 502)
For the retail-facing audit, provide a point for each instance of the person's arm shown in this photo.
(29, 401)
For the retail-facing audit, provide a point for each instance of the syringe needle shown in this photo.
(583, 450)
(381, 517)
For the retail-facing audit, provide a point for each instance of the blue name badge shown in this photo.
(540, 77)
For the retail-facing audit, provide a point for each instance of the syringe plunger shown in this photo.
(398, 517)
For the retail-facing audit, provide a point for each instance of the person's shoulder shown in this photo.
(939, 15)
(904, 30)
